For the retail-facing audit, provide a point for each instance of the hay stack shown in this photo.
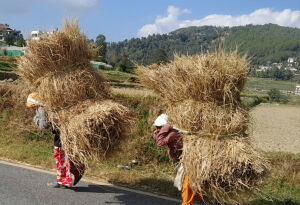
(216, 76)
(63, 89)
(76, 97)
(221, 170)
(91, 128)
(209, 118)
(202, 94)
(58, 51)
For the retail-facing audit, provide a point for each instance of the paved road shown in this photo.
(19, 186)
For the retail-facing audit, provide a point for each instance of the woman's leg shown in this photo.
(187, 193)
(62, 167)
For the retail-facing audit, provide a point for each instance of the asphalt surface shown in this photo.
(19, 186)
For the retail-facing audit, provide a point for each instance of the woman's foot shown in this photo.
(57, 185)
(77, 179)
(53, 185)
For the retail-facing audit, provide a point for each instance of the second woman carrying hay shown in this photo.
(64, 167)
(166, 135)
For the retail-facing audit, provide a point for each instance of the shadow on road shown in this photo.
(122, 196)
(95, 189)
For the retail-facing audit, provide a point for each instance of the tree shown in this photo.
(159, 56)
(9, 39)
(102, 46)
(276, 96)
(21, 42)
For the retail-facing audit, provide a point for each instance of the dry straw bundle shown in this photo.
(76, 97)
(202, 94)
(208, 118)
(221, 170)
(91, 128)
(58, 51)
(216, 76)
(63, 89)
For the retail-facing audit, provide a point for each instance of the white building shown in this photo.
(291, 60)
(4, 31)
(297, 91)
(291, 69)
(35, 35)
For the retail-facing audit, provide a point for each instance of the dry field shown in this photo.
(276, 127)
(133, 92)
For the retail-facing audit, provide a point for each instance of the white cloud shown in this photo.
(166, 24)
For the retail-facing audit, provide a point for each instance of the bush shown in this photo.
(276, 96)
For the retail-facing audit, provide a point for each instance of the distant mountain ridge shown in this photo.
(263, 43)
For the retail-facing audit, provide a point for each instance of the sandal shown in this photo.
(53, 185)
(57, 185)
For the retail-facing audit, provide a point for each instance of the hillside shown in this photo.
(262, 43)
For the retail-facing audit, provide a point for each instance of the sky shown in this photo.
(124, 19)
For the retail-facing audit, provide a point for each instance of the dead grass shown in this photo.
(216, 76)
(133, 92)
(91, 128)
(208, 119)
(59, 51)
(63, 89)
(223, 170)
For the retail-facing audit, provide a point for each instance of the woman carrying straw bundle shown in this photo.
(64, 167)
(166, 135)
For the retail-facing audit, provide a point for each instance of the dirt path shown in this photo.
(276, 127)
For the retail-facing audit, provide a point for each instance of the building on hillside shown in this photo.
(297, 91)
(291, 69)
(35, 35)
(263, 68)
(291, 60)
(4, 31)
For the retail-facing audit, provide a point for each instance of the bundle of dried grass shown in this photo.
(211, 77)
(63, 89)
(208, 117)
(91, 128)
(13, 95)
(222, 170)
(55, 52)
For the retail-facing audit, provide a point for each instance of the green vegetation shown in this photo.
(8, 63)
(267, 84)
(262, 43)
(276, 96)
(274, 73)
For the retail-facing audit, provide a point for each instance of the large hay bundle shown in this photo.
(209, 117)
(222, 170)
(202, 94)
(216, 76)
(63, 89)
(75, 96)
(91, 128)
(58, 51)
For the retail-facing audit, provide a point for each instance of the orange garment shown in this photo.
(187, 194)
